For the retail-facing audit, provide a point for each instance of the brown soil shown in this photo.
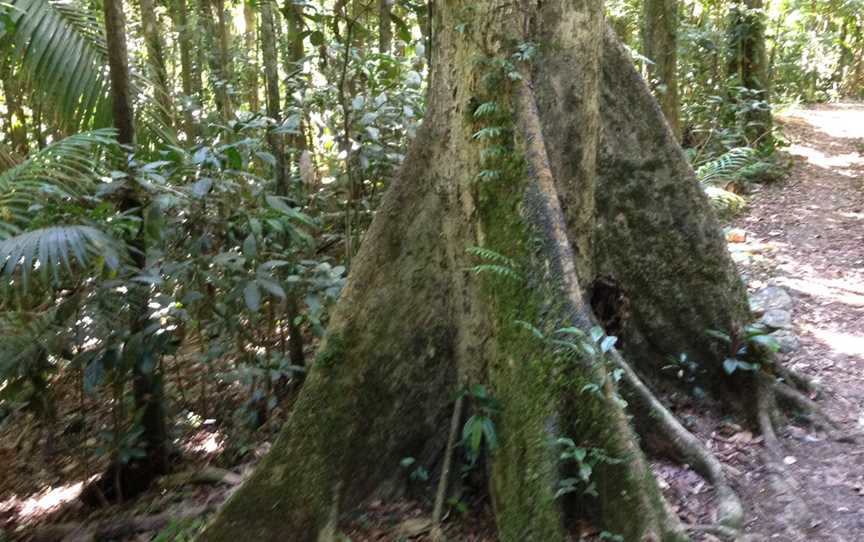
(815, 222)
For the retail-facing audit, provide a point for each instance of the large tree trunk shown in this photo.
(561, 216)
(660, 44)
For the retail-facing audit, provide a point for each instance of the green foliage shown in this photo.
(71, 167)
(499, 265)
(748, 350)
(479, 429)
(52, 248)
(584, 461)
(61, 45)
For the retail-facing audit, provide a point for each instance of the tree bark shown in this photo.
(251, 37)
(385, 26)
(146, 381)
(660, 44)
(156, 62)
(190, 76)
(216, 40)
(511, 159)
(749, 66)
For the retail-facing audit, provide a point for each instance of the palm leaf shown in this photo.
(60, 45)
(63, 169)
(55, 248)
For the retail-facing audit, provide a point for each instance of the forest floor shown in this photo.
(808, 234)
(804, 235)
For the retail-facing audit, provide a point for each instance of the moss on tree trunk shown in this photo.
(510, 159)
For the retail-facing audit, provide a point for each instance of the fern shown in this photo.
(501, 266)
(737, 163)
(727, 166)
(485, 109)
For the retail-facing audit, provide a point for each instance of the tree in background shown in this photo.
(660, 45)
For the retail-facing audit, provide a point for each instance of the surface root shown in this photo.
(730, 512)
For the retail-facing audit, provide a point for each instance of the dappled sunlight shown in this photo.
(204, 442)
(32, 508)
(828, 161)
(843, 120)
(850, 344)
(847, 290)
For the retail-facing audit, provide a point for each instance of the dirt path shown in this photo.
(813, 224)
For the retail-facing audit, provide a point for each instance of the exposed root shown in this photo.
(720, 531)
(766, 408)
(730, 512)
(115, 528)
(811, 411)
(796, 511)
(798, 380)
(437, 534)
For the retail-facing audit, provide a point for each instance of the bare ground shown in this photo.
(813, 224)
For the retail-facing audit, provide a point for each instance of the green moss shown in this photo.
(333, 351)
(540, 386)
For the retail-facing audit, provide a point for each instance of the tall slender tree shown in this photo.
(156, 61)
(385, 25)
(190, 75)
(250, 17)
(147, 385)
(747, 67)
(660, 45)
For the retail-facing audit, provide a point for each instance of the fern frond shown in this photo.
(500, 270)
(726, 166)
(55, 248)
(489, 254)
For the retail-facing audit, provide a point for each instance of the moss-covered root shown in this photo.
(542, 391)
(730, 512)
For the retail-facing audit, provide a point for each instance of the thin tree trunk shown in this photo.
(283, 188)
(749, 64)
(16, 122)
(251, 37)
(147, 384)
(385, 26)
(271, 79)
(190, 76)
(215, 42)
(660, 44)
(156, 61)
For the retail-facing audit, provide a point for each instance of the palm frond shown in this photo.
(65, 168)
(55, 248)
(60, 44)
